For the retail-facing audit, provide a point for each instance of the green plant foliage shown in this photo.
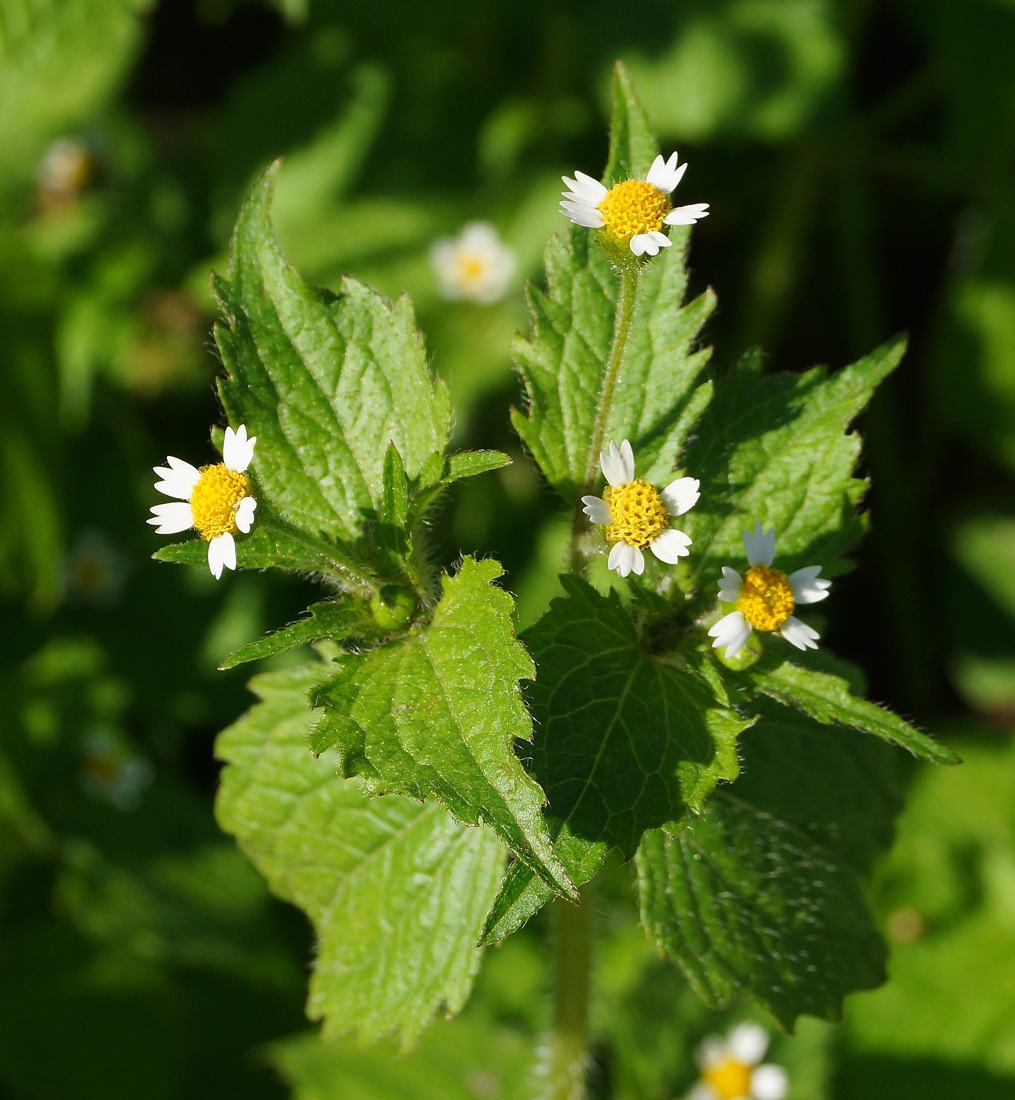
(392, 886)
(760, 896)
(438, 714)
(626, 742)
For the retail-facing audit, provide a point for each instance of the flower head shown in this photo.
(475, 266)
(636, 515)
(215, 499)
(730, 1070)
(632, 212)
(766, 598)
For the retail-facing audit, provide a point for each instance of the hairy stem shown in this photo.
(343, 568)
(564, 1065)
(629, 274)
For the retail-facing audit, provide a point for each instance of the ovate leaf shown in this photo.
(396, 890)
(775, 449)
(438, 713)
(760, 896)
(624, 742)
(828, 699)
(262, 548)
(563, 361)
(325, 381)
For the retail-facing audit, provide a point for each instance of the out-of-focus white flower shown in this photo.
(730, 1069)
(766, 597)
(637, 515)
(475, 266)
(94, 571)
(65, 168)
(214, 499)
(112, 772)
(632, 212)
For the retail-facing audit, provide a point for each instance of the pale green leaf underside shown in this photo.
(325, 381)
(438, 713)
(775, 449)
(828, 699)
(624, 742)
(759, 897)
(397, 890)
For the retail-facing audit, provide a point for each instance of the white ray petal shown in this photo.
(221, 553)
(618, 464)
(730, 586)
(769, 1083)
(731, 631)
(748, 1043)
(711, 1052)
(666, 175)
(245, 513)
(625, 559)
(703, 1091)
(807, 586)
(580, 214)
(681, 495)
(759, 546)
(178, 478)
(172, 518)
(670, 546)
(799, 634)
(645, 244)
(687, 215)
(627, 454)
(597, 510)
(237, 450)
(586, 188)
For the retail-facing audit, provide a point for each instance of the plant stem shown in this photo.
(342, 568)
(572, 954)
(629, 274)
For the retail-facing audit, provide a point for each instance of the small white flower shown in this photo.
(475, 266)
(66, 168)
(730, 1070)
(635, 211)
(214, 499)
(637, 515)
(766, 597)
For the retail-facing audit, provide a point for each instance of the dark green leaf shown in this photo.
(438, 713)
(262, 548)
(760, 895)
(396, 492)
(396, 890)
(625, 742)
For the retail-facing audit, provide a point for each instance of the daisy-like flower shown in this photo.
(766, 597)
(475, 266)
(636, 515)
(215, 499)
(730, 1069)
(635, 211)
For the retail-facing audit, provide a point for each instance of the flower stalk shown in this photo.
(565, 1055)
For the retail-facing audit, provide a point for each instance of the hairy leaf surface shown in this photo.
(438, 713)
(760, 896)
(624, 742)
(397, 890)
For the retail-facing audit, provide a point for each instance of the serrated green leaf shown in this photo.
(328, 619)
(262, 548)
(633, 145)
(563, 361)
(396, 890)
(438, 713)
(441, 472)
(775, 449)
(396, 491)
(760, 895)
(828, 699)
(325, 381)
(625, 742)
(471, 463)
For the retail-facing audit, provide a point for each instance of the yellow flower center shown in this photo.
(638, 513)
(729, 1080)
(215, 498)
(633, 207)
(471, 268)
(767, 599)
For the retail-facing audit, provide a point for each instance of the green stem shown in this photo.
(629, 275)
(564, 1067)
(343, 568)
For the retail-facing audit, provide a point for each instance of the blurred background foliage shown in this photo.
(859, 156)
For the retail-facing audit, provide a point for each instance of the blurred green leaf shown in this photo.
(394, 888)
(439, 713)
(626, 742)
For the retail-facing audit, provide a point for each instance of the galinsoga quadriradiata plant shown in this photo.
(429, 781)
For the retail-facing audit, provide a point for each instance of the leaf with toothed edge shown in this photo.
(625, 741)
(396, 890)
(259, 549)
(660, 389)
(438, 713)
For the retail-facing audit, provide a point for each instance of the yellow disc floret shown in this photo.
(767, 598)
(638, 513)
(633, 207)
(215, 498)
(729, 1080)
